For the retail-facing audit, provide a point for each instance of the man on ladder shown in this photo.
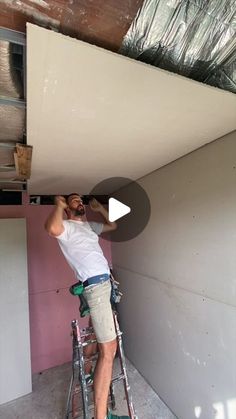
(78, 241)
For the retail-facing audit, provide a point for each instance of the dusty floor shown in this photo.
(48, 399)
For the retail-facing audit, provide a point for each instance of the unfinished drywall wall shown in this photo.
(179, 306)
(15, 365)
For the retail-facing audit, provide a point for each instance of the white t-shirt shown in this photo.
(79, 244)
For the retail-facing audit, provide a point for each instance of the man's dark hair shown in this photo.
(74, 193)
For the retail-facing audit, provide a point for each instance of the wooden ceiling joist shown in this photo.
(23, 159)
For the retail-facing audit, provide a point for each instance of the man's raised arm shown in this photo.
(54, 224)
(97, 207)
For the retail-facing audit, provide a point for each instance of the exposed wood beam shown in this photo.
(100, 22)
(23, 159)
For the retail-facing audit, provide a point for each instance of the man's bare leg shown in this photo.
(102, 377)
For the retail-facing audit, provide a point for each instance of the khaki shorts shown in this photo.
(98, 299)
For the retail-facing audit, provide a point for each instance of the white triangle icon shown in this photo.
(117, 209)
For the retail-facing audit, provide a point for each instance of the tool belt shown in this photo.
(78, 289)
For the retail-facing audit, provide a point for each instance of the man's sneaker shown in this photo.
(111, 416)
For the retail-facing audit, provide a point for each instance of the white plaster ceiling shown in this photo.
(93, 114)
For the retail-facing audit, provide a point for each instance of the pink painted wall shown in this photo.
(51, 305)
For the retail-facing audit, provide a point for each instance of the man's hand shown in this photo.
(95, 205)
(54, 224)
(60, 202)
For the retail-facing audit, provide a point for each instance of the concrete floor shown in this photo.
(48, 399)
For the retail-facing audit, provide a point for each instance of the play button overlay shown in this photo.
(127, 204)
(117, 209)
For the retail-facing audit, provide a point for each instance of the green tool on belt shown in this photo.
(78, 289)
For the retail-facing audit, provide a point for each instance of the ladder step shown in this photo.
(89, 342)
(86, 332)
(87, 359)
(91, 358)
(118, 378)
(114, 380)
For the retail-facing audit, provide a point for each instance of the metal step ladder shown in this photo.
(80, 395)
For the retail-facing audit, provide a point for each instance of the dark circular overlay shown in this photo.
(129, 193)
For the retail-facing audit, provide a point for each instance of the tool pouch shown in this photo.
(78, 289)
